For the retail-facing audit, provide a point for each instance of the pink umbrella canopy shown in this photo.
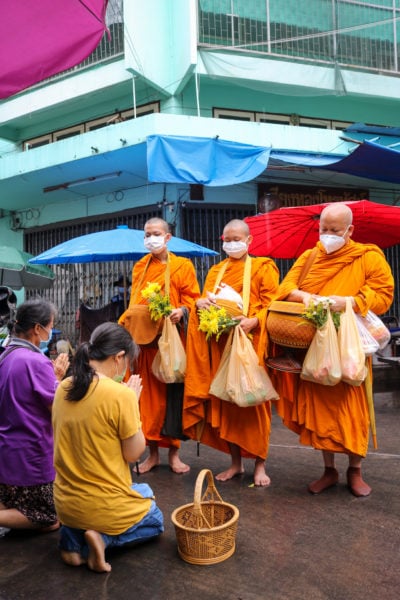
(39, 38)
(287, 232)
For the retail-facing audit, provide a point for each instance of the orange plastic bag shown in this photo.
(169, 364)
(322, 361)
(352, 356)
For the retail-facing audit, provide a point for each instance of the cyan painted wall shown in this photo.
(161, 40)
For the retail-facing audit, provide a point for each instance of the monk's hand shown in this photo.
(60, 365)
(135, 383)
(338, 303)
(206, 302)
(301, 296)
(247, 324)
(176, 315)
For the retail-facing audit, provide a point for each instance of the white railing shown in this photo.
(351, 33)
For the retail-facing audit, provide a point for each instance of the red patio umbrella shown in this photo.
(287, 232)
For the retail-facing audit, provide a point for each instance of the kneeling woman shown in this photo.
(96, 435)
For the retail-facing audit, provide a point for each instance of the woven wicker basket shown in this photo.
(206, 529)
(286, 326)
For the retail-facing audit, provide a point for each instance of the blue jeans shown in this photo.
(152, 524)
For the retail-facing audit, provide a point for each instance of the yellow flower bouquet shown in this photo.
(159, 303)
(215, 321)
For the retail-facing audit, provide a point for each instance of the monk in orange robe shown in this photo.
(241, 432)
(335, 419)
(158, 267)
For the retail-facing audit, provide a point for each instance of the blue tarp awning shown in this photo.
(208, 161)
(216, 162)
(368, 160)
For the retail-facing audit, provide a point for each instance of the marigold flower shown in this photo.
(215, 321)
(159, 303)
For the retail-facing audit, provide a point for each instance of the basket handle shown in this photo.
(211, 494)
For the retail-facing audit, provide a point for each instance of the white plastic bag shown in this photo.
(240, 378)
(352, 356)
(169, 364)
(322, 361)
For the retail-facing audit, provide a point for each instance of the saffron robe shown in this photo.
(184, 291)
(206, 418)
(334, 418)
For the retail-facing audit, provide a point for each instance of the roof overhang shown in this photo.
(116, 158)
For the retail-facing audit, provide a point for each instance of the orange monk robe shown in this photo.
(184, 291)
(206, 418)
(335, 418)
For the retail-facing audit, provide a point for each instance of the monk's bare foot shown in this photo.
(74, 559)
(231, 472)
(96, 559)
(260, 476)
(175, 463)
(153, 460)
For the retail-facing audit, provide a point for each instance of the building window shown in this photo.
(64, 134)
(117, 117)
(238, 115)
(43, 140)
(279, 119)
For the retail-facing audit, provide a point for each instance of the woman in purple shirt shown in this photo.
(28, 380)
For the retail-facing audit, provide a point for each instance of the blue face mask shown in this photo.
(43, 345)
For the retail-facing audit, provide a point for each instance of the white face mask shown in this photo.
(155, 243)
(235, 249)
(331, 243)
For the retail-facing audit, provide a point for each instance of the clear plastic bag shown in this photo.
(368, 343)
(376, 328)
(322, 361)
(352, 356)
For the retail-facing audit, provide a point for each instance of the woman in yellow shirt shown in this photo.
(97, 433)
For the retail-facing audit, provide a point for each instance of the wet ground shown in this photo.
(290, 545)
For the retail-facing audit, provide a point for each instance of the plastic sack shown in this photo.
(368, 343)
(322, 361)
(246, 381)
(218, 383)
(352, 356)
(169, 364)
(376, 328)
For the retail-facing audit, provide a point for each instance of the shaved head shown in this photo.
(338, 211)
(158, 222)
(237, 225)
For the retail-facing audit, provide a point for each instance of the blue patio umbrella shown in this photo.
(121, 243)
